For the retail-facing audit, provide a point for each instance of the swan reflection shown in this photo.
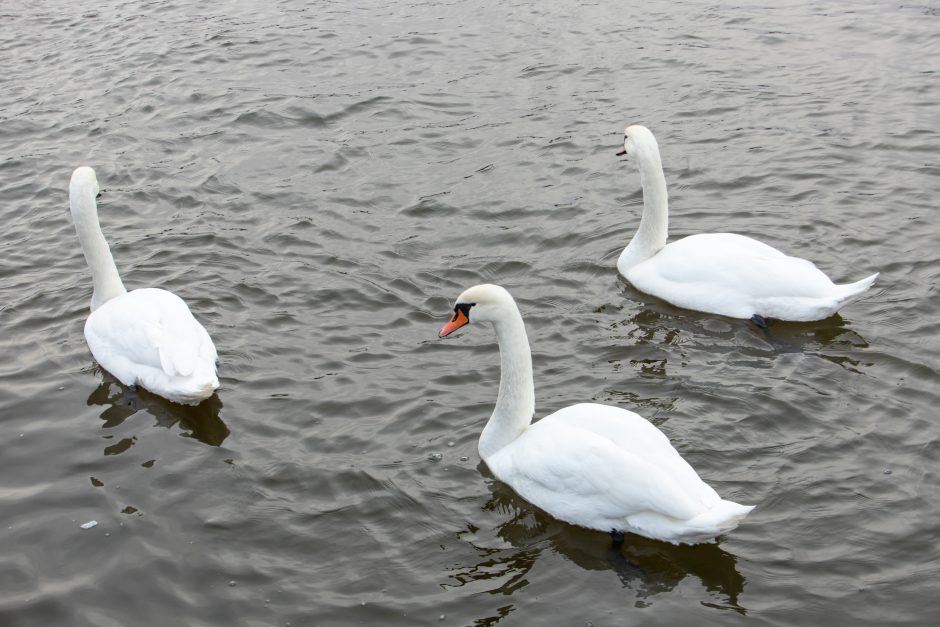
(644, 568)
(831, 339)
(658, 323)
(201, 421)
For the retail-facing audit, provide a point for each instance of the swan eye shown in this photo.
(463, 308)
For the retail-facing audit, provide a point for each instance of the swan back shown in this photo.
(606, 468)
(149, 337)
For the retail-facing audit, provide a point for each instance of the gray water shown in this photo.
(320, 180)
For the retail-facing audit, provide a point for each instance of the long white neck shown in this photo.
(515, 404)
(654, 226)
(104, 273)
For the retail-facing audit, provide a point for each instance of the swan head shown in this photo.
(83, 181)
(638, 141)
(482, 303)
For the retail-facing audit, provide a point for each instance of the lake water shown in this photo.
(320, 180)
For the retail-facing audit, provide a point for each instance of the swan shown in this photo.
(145, 337)
(592, 465)
(720, 273)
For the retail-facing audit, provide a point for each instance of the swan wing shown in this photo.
(732, 275)
(637, 436)
(587, 478)
(149, 327)
(735, 263)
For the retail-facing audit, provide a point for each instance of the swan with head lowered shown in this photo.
(592, 465)
(720, 273)
(145, 337)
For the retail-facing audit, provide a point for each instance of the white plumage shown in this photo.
(145, 337)
(720, 273)
(597, 466)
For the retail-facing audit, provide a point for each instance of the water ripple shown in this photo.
(320, 182)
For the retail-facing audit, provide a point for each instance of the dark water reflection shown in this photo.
(645, 568)
(658, 322)
(202, 422)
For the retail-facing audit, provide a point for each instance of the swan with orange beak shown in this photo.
(592, 465)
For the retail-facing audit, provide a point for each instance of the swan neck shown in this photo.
(104, 273)
(515, 403)
(651, 236)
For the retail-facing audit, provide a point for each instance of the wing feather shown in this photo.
(150, 327)
(573, 472)
(719, 262)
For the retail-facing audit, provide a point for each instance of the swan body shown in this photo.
(592, 465)
(720, 273)
(145, 337)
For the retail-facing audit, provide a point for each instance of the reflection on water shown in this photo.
(659, 567)
(201, 421)
(830, 339)
(661, 324)
(644, 567)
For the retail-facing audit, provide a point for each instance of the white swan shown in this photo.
(146, 337)
(592, 465)
(720, 273)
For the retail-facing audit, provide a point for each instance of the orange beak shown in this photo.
(455, 323)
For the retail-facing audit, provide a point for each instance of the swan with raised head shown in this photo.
(592, 465)
(145, 337)
(719, 273)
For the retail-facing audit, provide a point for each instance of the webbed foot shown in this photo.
(130, 396)
(616, 538)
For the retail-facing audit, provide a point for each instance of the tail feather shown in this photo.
(853, 291)
(721, 518)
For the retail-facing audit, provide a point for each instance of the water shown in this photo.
(321, 180)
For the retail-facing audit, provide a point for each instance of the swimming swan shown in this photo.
(720, 273)
(146, 337)
(597, 466)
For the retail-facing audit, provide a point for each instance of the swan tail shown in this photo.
(703, 528)
(853, 291)
(194, 392)
(722, 518)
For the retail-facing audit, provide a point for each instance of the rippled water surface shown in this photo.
(320, 180)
